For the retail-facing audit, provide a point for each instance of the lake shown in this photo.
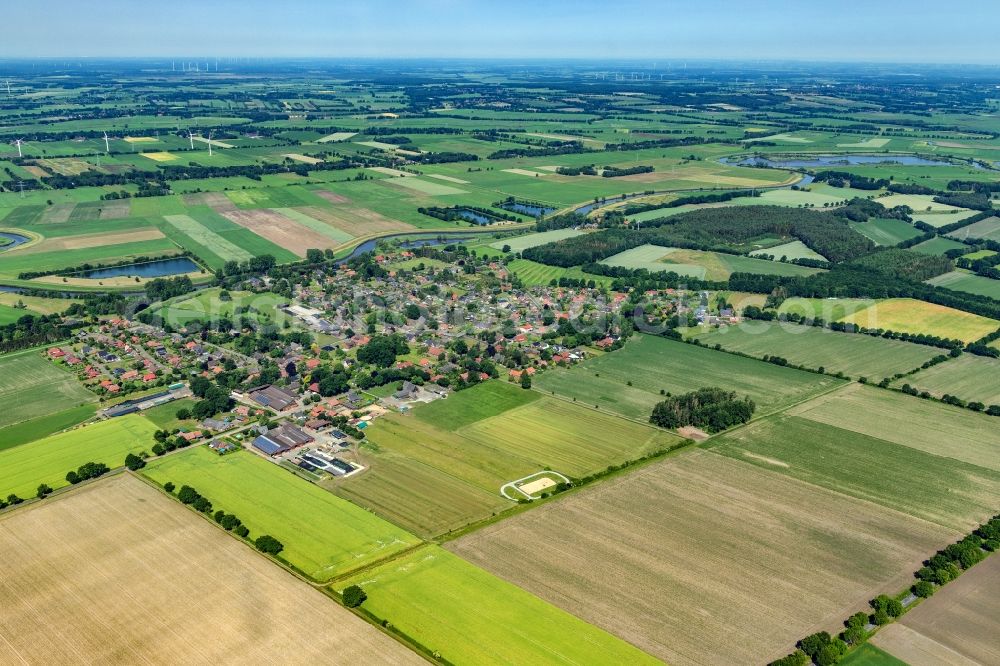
(834, 160)
(525, 209)
(15, 240)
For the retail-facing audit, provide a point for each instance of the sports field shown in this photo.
(971, 283)
(900, 452)
(907, 315)
(652, 364)
(32, 386)
(734, 562)
(955, 626)
(855, 355)
(442, 467)
(324, 536)
(969, 377)
(472, 617)
(47, 460)
(118, 573)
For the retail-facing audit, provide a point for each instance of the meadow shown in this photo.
(795, 249)
(521, 243)
(43, 426)
(735, 562)
(988, 229)
(47, 460)
(968, 282)
(886, 231)
(629, 381)
(937, 245)
(971, 378)
(441, 468)
(534, 274)
(703, 265)
(907, 315)
(856, 355)
(32, 386)
(469, 616)
(105, 537)
(206, 305)
(324, 536)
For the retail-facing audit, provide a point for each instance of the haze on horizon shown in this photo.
(918, 31)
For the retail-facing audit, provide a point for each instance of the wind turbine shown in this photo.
(210, 142)
(18, 143)
(107, 146)
(191, 139)
(7, 81)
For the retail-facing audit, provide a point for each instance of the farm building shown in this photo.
(274, 397)
(281, 439)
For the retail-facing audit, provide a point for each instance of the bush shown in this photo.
(169, 486)
(43, 491)
(797, 658)
(354, 596)
(268, 544)
(923, 589)
(134, 462)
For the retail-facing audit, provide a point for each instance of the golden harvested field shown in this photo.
(702, 560)
(960, 624)
(160, 156)
(907, 315)
(280, 230)
(115, 572)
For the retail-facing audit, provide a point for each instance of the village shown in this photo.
(298, 380)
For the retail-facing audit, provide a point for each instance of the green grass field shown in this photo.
(521, 243)
(971, 378)
(534, 274)
(855, 355)
(470, 616)
(48, 460)
(704, 265)
(795, 249)
(937, 245)
(43, 426)
(886, 231)
(324, 536)
(165, 415)
(825, 443)
(442, 467)
(869, 655)
(206, 305)
(32, 386)
(988, 229)
(653, 364)
(971, 283)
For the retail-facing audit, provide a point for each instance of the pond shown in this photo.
(15, 240)
(833, 160)
(527, 209)
(473, 216)
(149, 269)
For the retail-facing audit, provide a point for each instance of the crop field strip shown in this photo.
(324, 536)
(856, 355)
(971, 378)
(907, 315)
(470, 616)
(47, 460)
(71, 566)
(653, 364)
(32, 386)
(756, 559)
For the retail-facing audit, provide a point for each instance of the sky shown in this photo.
(846, 30)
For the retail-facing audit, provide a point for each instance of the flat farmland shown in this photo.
(31, 386)
(937, 245)
(735, 562)
(472, 617)
(886, 231)
(886, 457)
(703, 265)
(958, 625)
(970, 283)
(47, 460)
(795, 249)
(70, 593)
(969, 377)
(907, 315)
(533, 273)
(521, 243)
(217, 239)
(854, 354)
(442, 467)
(328, 230)
(653, 364)
(988, 229)
(282, 230)
(324, 536)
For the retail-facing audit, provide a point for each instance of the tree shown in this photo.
(382, 350)
(169, 486)
(268, 544)
(187, 494)
(412, 311)
(797, 658)
(134, 462)
(813, 643)
(73, 478)
(183, 414)
(525, 380)
(43, 491)
(354, 596)
(923, 589)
